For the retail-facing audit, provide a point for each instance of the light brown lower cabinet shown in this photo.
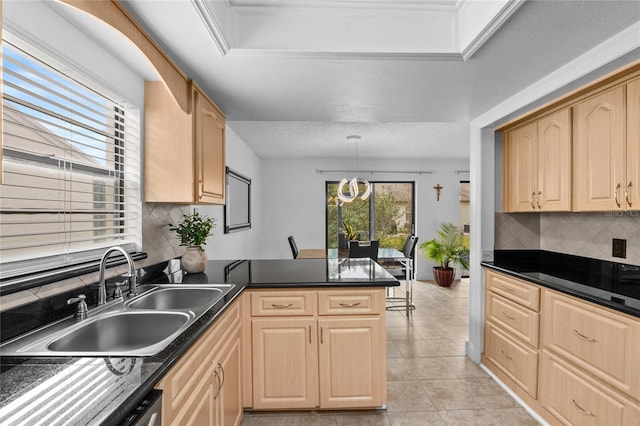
(574, 398)
(285, 359)
(204, 386)
(318, 349)
(350, 362)
(580, 369)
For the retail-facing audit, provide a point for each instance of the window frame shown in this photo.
(21, 274)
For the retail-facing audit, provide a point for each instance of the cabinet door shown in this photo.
(168, 147)
(352, 362)
(554, 162)
(285, 363)
(229, 399)
(200, 408)
(210, 151)
(599, 152)
(632, 189)
(522, 165)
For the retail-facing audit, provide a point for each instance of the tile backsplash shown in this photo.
(580, 234)
(158, 242)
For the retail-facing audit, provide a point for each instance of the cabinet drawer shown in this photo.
(521, 322)
(604, 343)
(576, 399)
(516, 360)
(283, 303)
(514, 289)
(350, 302)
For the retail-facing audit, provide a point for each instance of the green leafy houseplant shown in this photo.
(194, 229)
(448, 250)
(350, 232)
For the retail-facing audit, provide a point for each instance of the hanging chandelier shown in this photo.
(354, 187)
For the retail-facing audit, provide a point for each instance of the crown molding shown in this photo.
(620, 44)
(212, 27)
(308, 54)
(350, 4)
(491, 28)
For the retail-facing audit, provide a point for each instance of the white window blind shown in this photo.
(71, 167)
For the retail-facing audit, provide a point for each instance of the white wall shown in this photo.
(293, 199)
(241, 244)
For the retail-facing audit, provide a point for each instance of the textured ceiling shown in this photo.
(287, 139)
(387, 101)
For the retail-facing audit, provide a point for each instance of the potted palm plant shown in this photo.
(448, 250)
(193, 231)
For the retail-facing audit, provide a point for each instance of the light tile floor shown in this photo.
(429, 380)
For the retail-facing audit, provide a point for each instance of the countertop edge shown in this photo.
(584, 296)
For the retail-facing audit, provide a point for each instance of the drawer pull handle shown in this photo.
(288, 305)
(583, 337)
(582, 410)
(349, 305)
(510, 290)
(617, 191)
(506, 355)
(508, 316)
(626, 196)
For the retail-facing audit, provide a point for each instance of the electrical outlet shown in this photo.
(487, 255)
(619, 248)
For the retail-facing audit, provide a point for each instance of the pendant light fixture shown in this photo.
(354, 190)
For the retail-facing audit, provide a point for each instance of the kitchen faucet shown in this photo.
(102, 290)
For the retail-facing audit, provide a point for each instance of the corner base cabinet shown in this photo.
(321, 349)
(204, 386)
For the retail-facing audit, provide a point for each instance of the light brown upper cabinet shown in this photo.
(184, 152)
(538, 165)
(599, 145)
(632, 191)
(209, 141)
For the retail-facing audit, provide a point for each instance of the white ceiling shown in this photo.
(295, 77)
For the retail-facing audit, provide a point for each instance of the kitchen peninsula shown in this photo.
(335, 299)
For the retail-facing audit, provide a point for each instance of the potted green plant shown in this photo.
(448, 250)
(193, 231)
(350, 232)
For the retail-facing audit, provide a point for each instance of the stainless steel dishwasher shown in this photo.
(148, 412)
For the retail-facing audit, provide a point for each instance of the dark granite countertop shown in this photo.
(610, 284)
(102, 391)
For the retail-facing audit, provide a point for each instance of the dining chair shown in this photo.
(294, 247)
(404, 270)
(359, 249)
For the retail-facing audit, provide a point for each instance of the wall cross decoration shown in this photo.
(438, 188)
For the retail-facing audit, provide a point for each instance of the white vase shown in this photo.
(194, 260)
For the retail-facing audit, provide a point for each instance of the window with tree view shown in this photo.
(387, 215)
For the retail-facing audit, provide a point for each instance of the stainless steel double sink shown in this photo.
(142, 326)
